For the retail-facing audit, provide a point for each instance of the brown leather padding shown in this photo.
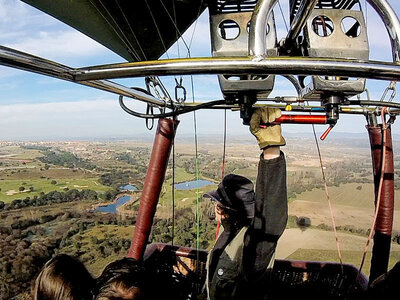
(152, 185)
(384, 222)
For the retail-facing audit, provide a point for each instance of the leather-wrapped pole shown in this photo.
(152, 186)
(384, 221)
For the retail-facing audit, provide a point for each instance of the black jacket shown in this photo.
(246, 273)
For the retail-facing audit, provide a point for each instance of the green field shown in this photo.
(23, 175)
(37, 172)
(102, 232)
(357, 195)
(182, 197)
(10, 188)
(348, 257)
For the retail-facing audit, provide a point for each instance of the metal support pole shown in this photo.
(392, 23)
(384, 222)
(152, 186)
(304, 12)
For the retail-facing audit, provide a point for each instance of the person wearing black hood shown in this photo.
(240, 262)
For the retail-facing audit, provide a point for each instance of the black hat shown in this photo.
(236, 193)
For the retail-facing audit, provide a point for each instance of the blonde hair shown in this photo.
(63, 278)
(123, 279)
(121, 291)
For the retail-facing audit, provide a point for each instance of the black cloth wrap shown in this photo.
(271, 214)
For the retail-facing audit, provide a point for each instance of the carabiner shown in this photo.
(178, 87)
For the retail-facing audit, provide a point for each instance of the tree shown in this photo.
(53, 182)
(31, 188)
(21, 189)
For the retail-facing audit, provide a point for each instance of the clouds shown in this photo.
(27, 29)
(64, 119)
(58, 44)
(34, 105)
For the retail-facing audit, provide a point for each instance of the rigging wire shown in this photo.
(197, 177)
(157, 28)
(224, 148)
(223, 168)
(383, 162)
(195, 26)
(173, 143)
(173, 185)
(131, 29)
(175, 25)
(328, 196)
(325, 181)
(329, 199)
(168, 114)
(122, 38)
(283, 16)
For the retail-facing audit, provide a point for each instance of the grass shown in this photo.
(45, 185)
(97, 264)
(37, 172)
(349, 257)
(182, 197)
(346, 194)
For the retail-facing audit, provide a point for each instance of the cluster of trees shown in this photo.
(20, 261)
(51, 198)
(211, 166)
(35, 147)
(111, 244)
(127, 158)
(65, 159)
(116, 178)
(26, 245)
(185, 228)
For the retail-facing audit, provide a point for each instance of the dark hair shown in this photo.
(63, 277)
(122, 279)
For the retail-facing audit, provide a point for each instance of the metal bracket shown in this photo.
(230, 37)
(327, 36)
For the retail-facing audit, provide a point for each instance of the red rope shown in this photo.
(372, 230)
(217, 231)
(329, 200)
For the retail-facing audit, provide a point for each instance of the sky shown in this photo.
(36, 107)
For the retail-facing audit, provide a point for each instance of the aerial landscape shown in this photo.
(118, 117)
(81, 198)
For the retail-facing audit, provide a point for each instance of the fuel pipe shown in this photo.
(305, 119)
(152, 185)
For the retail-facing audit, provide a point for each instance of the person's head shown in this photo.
(234, 199)
(63, 278)
(124, 279)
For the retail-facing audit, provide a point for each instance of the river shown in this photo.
(112, 208)
(128, 187)
(190, 185)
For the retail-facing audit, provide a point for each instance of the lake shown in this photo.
(128, 187)
(190, 185)
(112, 208)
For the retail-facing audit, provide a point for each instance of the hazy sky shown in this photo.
(39, 107)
